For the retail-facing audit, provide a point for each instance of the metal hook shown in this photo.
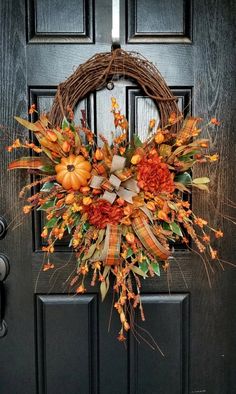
(115, 33)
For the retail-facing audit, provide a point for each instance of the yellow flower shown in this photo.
(130, 238)
(214, 157)
(159, 138)
(152, 123)
(27, 208)
(136, 159)
(70, 198)
(87, 200)
(76, 207)
(151, 205)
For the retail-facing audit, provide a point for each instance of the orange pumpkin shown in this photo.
(73, 172)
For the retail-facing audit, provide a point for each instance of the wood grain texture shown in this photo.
(156, 21)
(16, 372)
(213, 311)
(167, 318)
(67, 349)
(206, 69)
(60, 21)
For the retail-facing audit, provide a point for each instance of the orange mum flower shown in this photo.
(101, 213)
(154, 176)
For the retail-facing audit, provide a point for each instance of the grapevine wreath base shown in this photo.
(123, 204)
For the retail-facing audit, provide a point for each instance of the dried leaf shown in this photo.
(26, 123)
(202, 180)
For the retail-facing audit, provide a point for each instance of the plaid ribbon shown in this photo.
(112, 245)
(148, 239)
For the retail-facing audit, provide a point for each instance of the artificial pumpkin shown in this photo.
(73, 172)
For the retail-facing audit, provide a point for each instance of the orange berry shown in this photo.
(130, 238)
(66, 147)
(136, 159)
(99, 154)
(70, 198)
(87, 200)
(51, 136)
(159, 138)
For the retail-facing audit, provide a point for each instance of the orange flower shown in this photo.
(114, 103)
(51, 135)
(44, 233)
(27, 208)
(32, 109)
(206, 238)
(101, 213)
(49, 248)
(215, 121)
(219, 234)
(159, 138)
(66, 147)
(99, 154)
(80, 290)
(136, 159)
(48, 266)
(87, 201)
(200, 222)
(214, 254)
(70, 198)
(173, 118)
(151, 205)
(154, 176)
(214, 157)
(130, 238)
(152, 123)
(121, 337)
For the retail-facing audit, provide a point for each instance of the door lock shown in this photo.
(4, 271)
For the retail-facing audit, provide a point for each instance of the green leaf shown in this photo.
(129, 252)
(138, 271)
(137, 142)
(144, 266)
(47, 186)
(85, 227)
(156, 268)
(90, 252)
(166, 226)
(189, 156)
(46, 205)
(202, 180)
(65, 123)
(51, 223)
(176, 229)
(184, 178)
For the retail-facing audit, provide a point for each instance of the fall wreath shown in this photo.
(123, 204)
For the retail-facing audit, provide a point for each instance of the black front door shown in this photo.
(57, 342)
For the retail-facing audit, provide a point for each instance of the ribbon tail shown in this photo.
(148, 239)
(111, 251)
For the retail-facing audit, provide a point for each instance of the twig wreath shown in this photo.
(123, 204)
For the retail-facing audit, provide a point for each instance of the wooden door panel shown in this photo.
(157, 21)
(67, 344)
(167, 319)
(191, 43)
(60, 21)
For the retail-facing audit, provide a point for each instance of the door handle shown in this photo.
(4, 271)
(3, 227)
